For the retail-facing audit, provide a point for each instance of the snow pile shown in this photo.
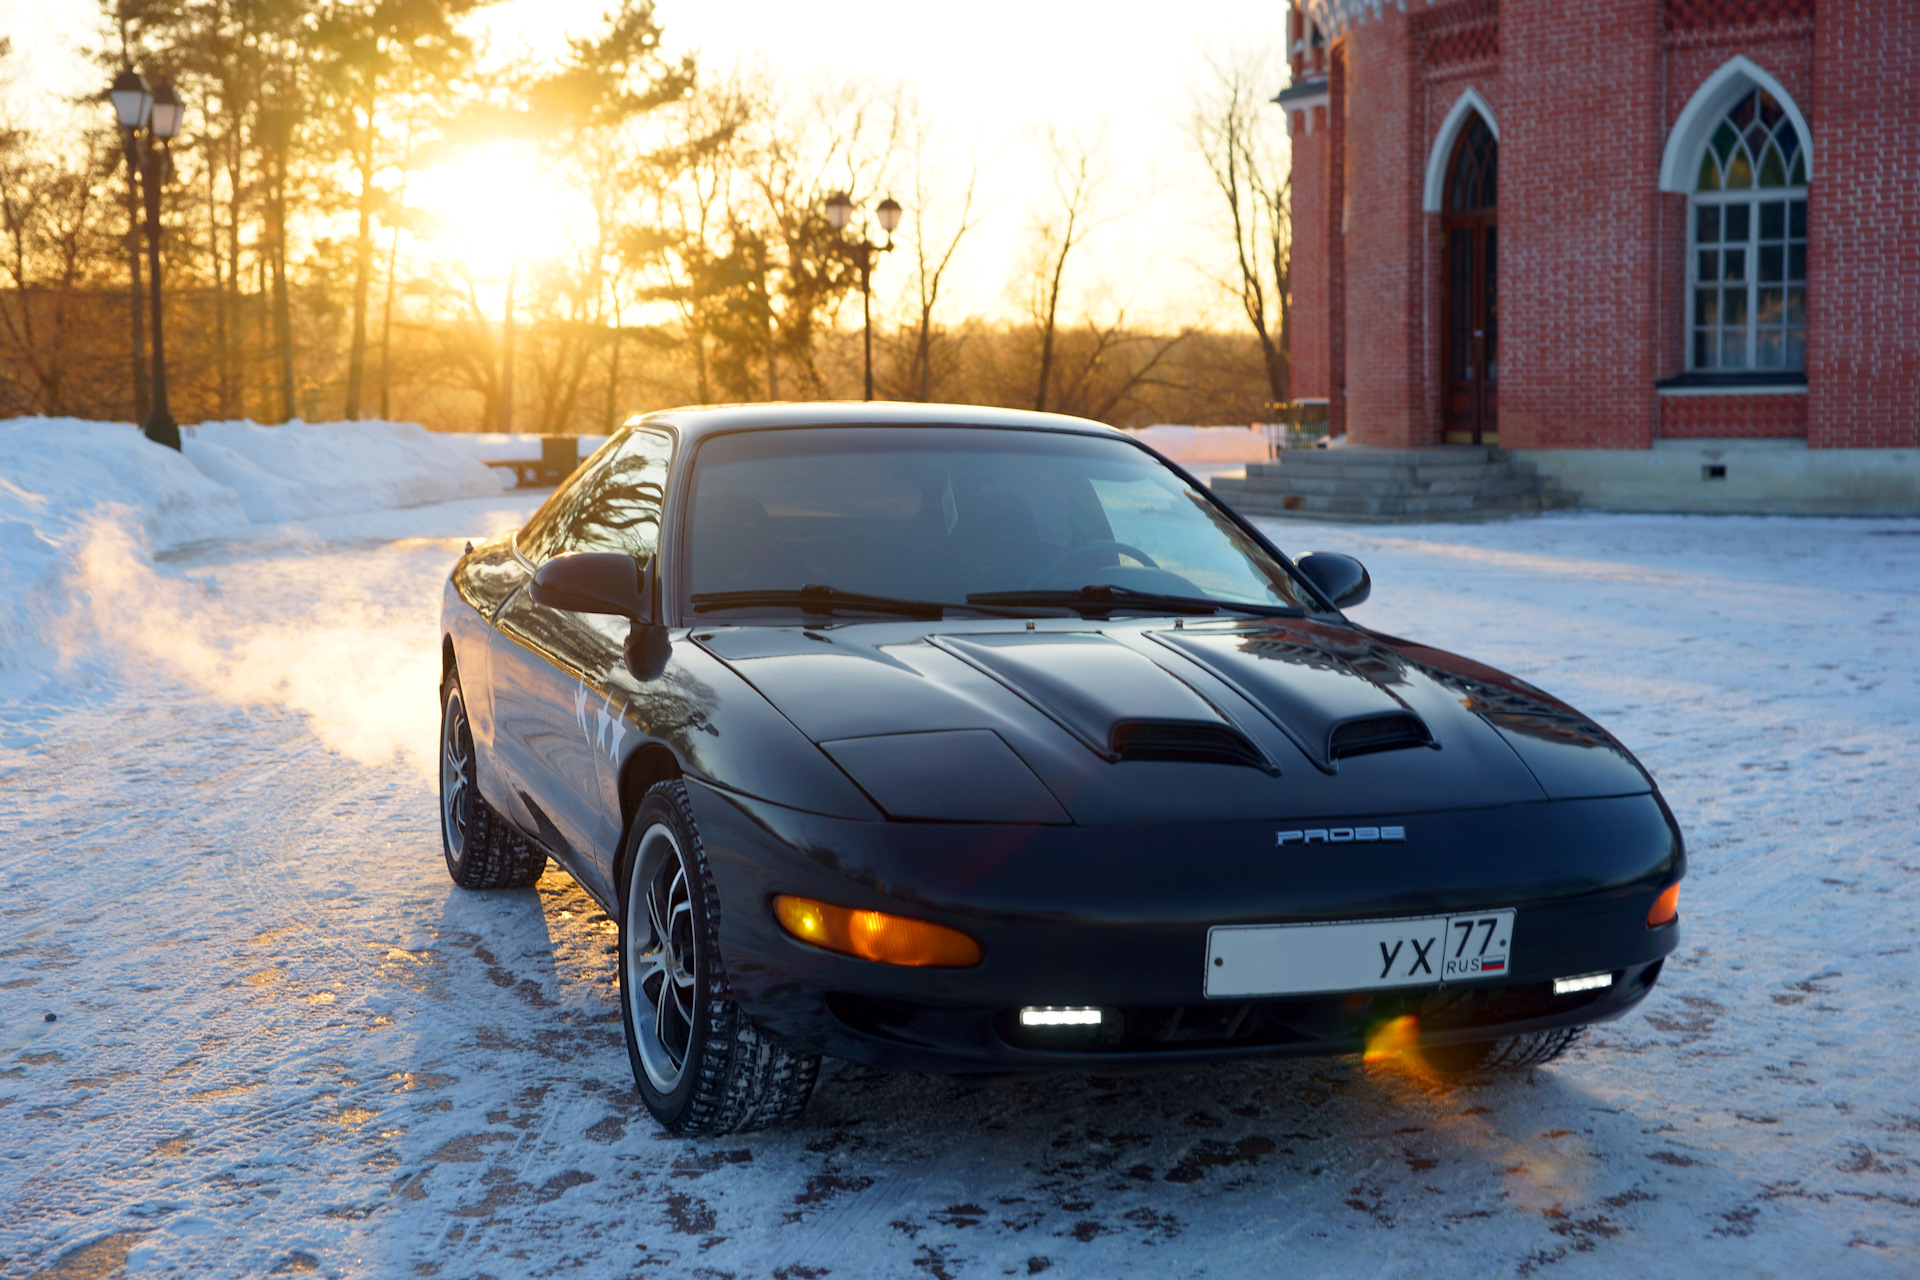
(302, 470)
(1209, 444)
(68, 485)
(57, 473)
(516, 446)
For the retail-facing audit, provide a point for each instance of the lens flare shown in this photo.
(1396, 1043)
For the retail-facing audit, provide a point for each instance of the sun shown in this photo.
(492, 207)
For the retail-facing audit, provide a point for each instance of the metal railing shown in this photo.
(1297, 424)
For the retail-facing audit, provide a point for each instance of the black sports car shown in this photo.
(956, 739)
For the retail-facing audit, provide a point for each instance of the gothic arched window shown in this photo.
(1747, 242)
(1475, 179)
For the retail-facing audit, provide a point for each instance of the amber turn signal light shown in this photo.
(876, 935)
(1665, 908)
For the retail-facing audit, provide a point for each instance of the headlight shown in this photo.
(876, 935)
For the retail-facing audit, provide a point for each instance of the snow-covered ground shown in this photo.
(283, 1042)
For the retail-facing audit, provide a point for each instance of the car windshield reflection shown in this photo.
(935, 514)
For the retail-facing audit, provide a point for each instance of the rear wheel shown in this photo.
(700, 1065)
(1497, 1057)
(482, 851)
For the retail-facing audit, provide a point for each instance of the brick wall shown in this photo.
(1333, 219)
(1384, 283)
(1732, 417)
(1863, 227)
(1579, 220)
(1312, 256)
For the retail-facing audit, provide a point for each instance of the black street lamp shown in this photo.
(158, 112)
(131, 101)
(840, 213)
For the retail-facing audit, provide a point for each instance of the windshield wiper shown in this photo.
(814, 598)
(1103, 599)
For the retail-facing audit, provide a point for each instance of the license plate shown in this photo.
(1360, 955)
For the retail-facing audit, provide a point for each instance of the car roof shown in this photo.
(695, 421)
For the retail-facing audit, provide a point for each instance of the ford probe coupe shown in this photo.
(951, 739)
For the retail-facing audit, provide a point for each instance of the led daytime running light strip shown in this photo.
(1585, 982)
(1048, 1016)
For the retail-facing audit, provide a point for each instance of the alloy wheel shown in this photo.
(662, 966)
(456, 774)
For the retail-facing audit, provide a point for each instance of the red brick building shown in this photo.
(1576, 225)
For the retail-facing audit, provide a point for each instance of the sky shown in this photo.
(994, 75)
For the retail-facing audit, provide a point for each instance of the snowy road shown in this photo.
(285, 1044)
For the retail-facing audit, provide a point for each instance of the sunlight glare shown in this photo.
(490, 205)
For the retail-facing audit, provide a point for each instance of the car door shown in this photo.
(514, 683)
(558, 710)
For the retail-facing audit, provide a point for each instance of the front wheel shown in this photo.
(1498, 1057)
(700, 1065)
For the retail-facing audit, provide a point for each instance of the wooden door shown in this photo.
(1470, 332)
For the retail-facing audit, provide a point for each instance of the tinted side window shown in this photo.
(622, 510)
(545, 534)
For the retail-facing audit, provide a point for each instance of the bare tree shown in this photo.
(839, 135)
(1074, 166)
(696, 172)
(52, 236)
(933, 250)
(1104, 365)
(1232, 130)
(374, 52)
(593, 112)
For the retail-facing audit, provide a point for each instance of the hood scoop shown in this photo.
(1377, 733)
(1120, 703)
(1181, 741)
(1317, 697)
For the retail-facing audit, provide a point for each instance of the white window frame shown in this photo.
(1752, 198)
(1680, 159)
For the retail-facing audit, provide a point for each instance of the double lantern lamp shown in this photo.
(141, 107)
(840, 214)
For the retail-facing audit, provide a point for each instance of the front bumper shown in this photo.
(1117, 918)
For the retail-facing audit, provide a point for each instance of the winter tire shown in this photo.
(482, 851)
(1497, 1057)
(700, 1065)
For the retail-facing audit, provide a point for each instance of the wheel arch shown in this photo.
(447, 661)
(652, 763)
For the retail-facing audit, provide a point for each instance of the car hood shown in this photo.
(1141, 722)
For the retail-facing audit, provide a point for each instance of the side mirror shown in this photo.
(1341, 579)
(596, 582)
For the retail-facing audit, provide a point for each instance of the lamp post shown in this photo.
(132, 99)
(157, 111)
(860, 253)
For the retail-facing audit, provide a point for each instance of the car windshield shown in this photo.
(941, 514)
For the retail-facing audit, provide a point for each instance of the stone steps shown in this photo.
(1388, 485)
